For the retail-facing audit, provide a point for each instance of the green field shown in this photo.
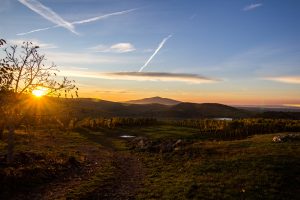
(87, 164)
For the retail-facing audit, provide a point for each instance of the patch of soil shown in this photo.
(127, 178)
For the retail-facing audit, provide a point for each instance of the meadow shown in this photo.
(156, 160)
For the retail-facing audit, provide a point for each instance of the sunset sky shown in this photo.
(233, 52)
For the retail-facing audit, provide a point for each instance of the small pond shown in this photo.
(127, 136)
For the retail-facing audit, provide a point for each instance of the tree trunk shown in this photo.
(11, 144)
(1, 132)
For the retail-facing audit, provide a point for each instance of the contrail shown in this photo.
(48, 14)
(83, 21)
(103, 16)
(155, 52)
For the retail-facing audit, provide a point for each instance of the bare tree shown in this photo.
(22, 71)
(3, 78)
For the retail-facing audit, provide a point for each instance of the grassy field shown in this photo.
(253, 168)
(87, 164)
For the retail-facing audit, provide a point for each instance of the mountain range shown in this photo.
(88, 107)
(154, 100)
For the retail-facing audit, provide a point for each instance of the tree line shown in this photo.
(239, 128)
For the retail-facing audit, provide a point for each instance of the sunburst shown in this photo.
(39, 92)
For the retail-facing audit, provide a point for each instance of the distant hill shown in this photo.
(272, 108)
(154, 100)
(206, 110)
(82, 107)
(87, 107)
(279, 115)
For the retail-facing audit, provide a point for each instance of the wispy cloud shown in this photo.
(48, 14)
(292, 105)
(113, 91)
(261, 61)
(82, 59)
(144, 76)
(19, 42)
(82, 21)
(285, 79)
(116, 48)
(161, 44)
(252, 6)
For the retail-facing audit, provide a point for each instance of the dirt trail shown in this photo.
(126, 180)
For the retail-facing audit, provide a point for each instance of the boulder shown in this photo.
(285, 138)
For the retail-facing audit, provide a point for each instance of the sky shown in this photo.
(238, 52)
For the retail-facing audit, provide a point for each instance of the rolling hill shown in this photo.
(154, 100)
(99, 108)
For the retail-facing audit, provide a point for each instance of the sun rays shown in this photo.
(39, 92)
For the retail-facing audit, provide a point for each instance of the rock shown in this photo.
(277, 139)
(141, 143)
(165, 147)
(294, 136)
(285, 138)
(178, 145)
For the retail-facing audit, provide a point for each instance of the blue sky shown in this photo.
(234, 52)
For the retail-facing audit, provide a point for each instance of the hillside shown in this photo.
(154, 100)
(205, 110)
(99, 108)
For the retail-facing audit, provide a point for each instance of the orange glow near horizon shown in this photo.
(39, 92)
(233, 99)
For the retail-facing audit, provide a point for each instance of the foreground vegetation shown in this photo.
(252, 168)
(162, 161)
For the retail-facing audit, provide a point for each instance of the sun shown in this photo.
(39, 92)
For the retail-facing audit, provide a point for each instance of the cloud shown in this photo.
(285, 79)
(252, 6)
(36, 42)
(82, 21)
(82, 59)
(261, 61)
(161, 44)
(143, 76)
(116, 48)
(292, 105)
(113, 91)
(48, 14)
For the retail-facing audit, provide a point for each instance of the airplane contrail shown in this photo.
(103, 16)
(48, 14)
(161, 44)
(82, 21)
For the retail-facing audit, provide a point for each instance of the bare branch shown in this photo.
(23, 70)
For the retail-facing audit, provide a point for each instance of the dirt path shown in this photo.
(61, 188)
(110, 171)
(126, 180)
(122, 175)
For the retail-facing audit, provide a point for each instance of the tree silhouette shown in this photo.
(3, 78)
(23, 70)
